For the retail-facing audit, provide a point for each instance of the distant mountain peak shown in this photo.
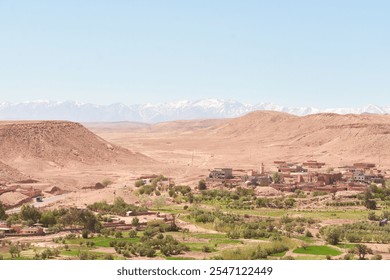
(151, 113)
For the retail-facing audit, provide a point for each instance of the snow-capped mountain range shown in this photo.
(153, 113)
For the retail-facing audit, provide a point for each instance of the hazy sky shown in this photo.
(298, 53)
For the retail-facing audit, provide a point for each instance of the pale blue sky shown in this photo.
(297, 53)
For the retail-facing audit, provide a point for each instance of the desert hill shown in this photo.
(262, 136)
(330, 137)
(9, 174)
(58, 143)
(181, 126)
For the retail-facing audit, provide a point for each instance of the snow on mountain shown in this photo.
(152, 113)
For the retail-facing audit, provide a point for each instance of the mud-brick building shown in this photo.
(221, 173)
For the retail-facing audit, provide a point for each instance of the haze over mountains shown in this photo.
(153, 113)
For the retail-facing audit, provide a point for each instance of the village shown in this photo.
(301, 189)
(308, 176)
(285, 177)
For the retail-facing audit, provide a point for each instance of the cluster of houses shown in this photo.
(307, 176)
(20, 230)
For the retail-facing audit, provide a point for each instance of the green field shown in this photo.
(101, 241)
(346, 246)
(318, 250)
(281, 254)
(324, 214)
(179, 259)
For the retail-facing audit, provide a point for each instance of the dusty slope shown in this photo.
(58, 143)
(258, 137)
(163, 127)
(327, 136)
(9, 174)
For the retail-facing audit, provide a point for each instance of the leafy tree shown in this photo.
(202, 185)
(3, 215)
(135, 222)
(308, 234)
(147, 189)
(159, 202)
(172, 193)
(14, 251)
(157, 180)
(289, 202)
(362, 250)
(132, 233)
(48, 219)
(372, 216)
(276, 178)
(30, 213)
(385, 215)
(370, 204)
(139, 183)
(333, 235)
(85, 234)
(89, 220)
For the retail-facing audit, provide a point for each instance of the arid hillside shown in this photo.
(261, 136)
(329, 137)
(9, 174)
(31, 146)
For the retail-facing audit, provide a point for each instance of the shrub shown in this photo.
(372, 216)
(353, 237)
(362, 250)
(300, 229)
(135, 222)
(83, 255)
(308, 233)
(85, 234)
(206, 249)
(376, 257)
(139, 183)
(108, 257)
(202, 185)
(106, 182)
(370, 204)
(332, 235)
(348, 256)
(132, 234)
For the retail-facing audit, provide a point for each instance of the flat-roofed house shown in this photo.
(221, 173)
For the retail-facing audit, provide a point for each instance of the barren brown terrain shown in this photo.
(60, 152)
(8, 173)
(67, 155)
(190, 148)
(68, 164)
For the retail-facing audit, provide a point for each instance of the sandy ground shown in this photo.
(68, 156)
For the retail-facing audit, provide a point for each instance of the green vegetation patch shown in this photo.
(280, 254)
(318, 250)
(346, 246)
(179, 258)
(102, 241)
